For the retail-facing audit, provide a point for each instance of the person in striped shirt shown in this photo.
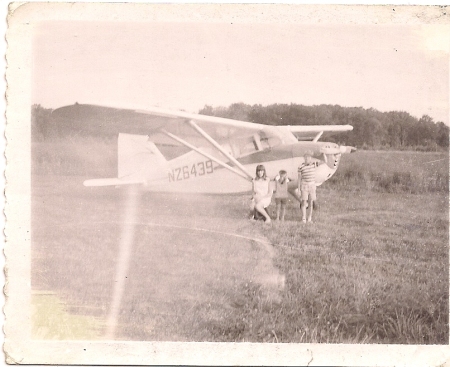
(307, 185)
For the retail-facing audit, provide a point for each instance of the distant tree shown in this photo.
(40, 122)
(400, 124)
(236, 111)
(442, 134)
(262, 115)
(323, 115)
(207, 110)
(374, 134)
(427, 131)
(239, 111)
(357, 118)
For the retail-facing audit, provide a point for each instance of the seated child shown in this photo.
(281, 193)
(262, 193)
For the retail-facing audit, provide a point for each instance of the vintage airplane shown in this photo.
(220, 154)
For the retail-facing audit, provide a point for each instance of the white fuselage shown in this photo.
(194, 173)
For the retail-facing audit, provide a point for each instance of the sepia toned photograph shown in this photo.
(227, 184)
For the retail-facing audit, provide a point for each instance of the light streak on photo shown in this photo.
(123, 260)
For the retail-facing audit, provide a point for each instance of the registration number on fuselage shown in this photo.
(194, 170)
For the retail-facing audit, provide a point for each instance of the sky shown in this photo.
(189, 65)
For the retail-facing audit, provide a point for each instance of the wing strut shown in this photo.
(220, 149)
(184, 142)
(317, 137)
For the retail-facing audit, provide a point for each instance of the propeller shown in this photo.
(347, 149)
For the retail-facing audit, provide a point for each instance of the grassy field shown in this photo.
(393, 172)
(372, 268)
(75, 156)
(185, 253)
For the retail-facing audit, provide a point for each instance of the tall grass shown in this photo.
(393, 172)
(80, 156)
(368, 271)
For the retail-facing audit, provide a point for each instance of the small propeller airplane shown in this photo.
(220, 155)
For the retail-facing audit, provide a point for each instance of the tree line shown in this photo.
(40, 122)
(372, 129)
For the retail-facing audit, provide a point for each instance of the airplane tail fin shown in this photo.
(139, 161)
(139, 157)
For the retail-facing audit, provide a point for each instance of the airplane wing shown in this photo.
(232, 139)
(223, 128)
(242, 137)
(307, 132)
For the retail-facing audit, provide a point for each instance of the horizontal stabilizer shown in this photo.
(110, 182)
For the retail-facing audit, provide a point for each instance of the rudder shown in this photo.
(139, 158)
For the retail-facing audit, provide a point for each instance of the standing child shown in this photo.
(281, 193)
(307, 185)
